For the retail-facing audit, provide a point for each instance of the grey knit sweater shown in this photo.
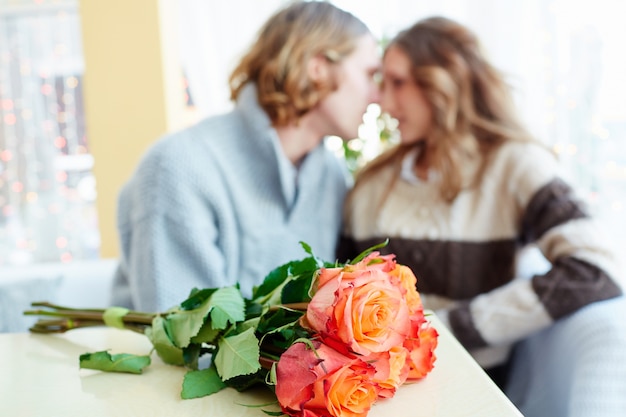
(219, 204)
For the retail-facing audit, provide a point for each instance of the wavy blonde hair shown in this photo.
(472, 106)
(277, 62)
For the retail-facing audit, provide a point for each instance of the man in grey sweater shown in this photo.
(228, 199)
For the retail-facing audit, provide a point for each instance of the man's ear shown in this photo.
(318, 69)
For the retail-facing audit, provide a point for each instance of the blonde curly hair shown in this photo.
(277, 61)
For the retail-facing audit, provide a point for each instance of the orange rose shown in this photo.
(362, 310)
(409, 283)
(374, 261)
(324, 382)
(422, 340)
(373, 309)
(392, 369)
(421, 352)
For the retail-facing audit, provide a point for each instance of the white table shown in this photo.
(40, 377)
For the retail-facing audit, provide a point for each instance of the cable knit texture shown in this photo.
(219, 204)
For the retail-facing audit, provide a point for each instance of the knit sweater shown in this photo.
(464, 253)
(219, 204)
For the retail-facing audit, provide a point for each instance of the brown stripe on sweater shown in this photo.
(552, 205)
(571, 284)
(457, 270)
(464, 328)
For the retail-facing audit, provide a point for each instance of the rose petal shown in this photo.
(422, 352)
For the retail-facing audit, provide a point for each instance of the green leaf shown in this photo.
(367, 251)
(271, 291)
(183, 325)
(207, 334)
(228, 307)
(307, 248)
(197, 298)
(245, 382)
(277, 276)
(275, 319)
(271, 281)
(223, 306)
(298, 290)
(252, 323)
(306, 265)
(162, 343)
(114, 317)
(274, 413)
(279, 335)
(201, 383)
(271, 376)
(238, 355)
(191, 354)
(259, 405)
(253, 309)
(123, 362)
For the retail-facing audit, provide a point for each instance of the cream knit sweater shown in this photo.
(464, 253)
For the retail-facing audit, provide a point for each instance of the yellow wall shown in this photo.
(133, 91)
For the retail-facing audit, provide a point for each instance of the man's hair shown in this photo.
(277, 61)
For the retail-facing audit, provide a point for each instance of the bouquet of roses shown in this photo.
(329, 339)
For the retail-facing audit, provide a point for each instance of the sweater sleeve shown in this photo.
(168, 228)
(582, 266)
